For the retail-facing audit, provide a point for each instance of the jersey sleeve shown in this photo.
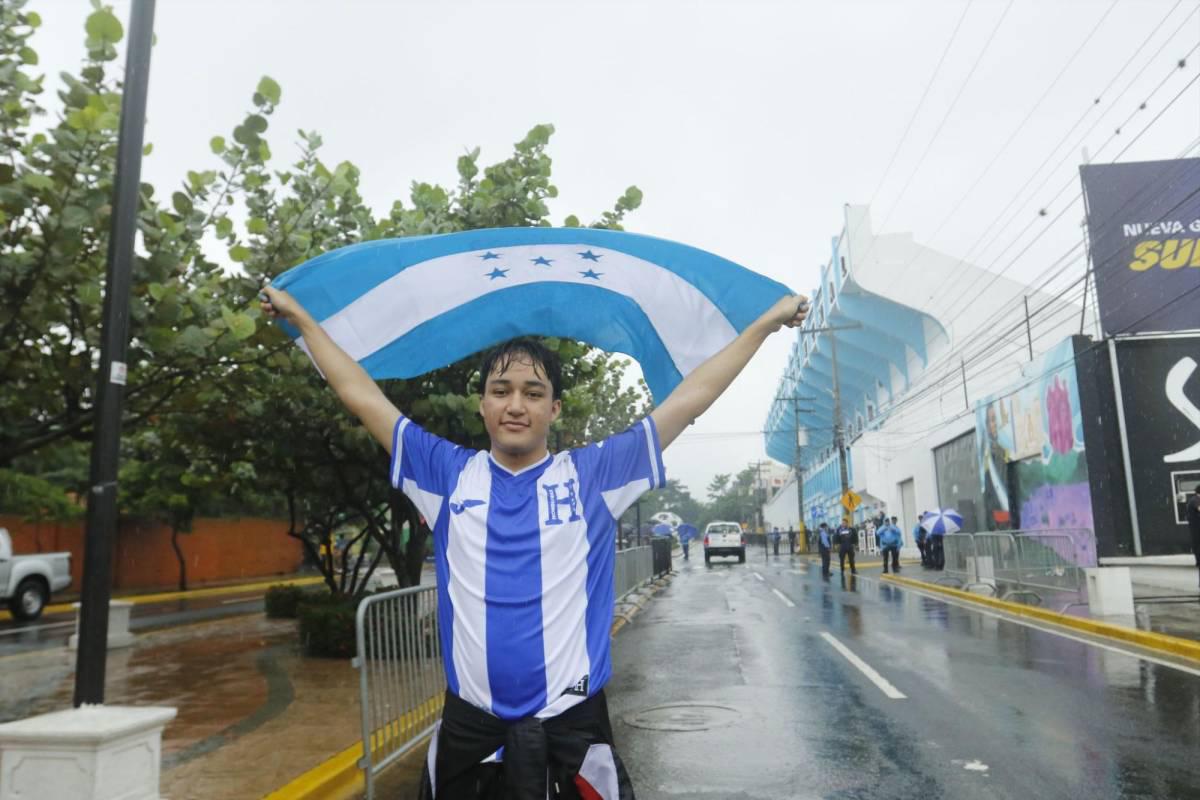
(424, 466)
(625, 466)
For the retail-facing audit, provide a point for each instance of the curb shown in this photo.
(163, 597)
(340, 776)
(1160, 642)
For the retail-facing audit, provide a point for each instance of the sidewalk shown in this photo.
(253, 712)
(1156, 610)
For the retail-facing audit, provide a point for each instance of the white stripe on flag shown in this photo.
(690, 326)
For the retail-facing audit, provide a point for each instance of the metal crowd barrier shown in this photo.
(633, 568)
(401, 681)
(1022, 563)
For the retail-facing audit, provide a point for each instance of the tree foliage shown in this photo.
(222, 413)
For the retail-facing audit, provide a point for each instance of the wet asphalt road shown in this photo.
(762, 701)
(52, 630)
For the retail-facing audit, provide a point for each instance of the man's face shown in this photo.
(517, 408)
(991, 422)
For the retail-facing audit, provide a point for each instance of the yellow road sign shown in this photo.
(851, 500)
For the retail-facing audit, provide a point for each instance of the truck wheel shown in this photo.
(742, 557)
(30, 599)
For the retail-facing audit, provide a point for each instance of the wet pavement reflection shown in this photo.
(992, 708)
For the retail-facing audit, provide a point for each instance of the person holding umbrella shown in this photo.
(938, 524)
(686, 534)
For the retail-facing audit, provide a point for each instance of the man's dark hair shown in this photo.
(501, 357)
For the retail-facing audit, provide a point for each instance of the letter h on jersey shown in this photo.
(554, 501)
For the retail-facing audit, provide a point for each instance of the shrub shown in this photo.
(327, 626)
(283, 601)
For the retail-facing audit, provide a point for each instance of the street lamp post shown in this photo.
(102, 482)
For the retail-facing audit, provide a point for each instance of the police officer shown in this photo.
(824, 545)
(847, 542)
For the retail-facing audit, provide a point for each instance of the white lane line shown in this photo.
(1053, 631)
(15, 631)
(864, 668)
(238, 600)
(783, 597)
(760, 577)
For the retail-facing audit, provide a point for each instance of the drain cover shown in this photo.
(683, 717)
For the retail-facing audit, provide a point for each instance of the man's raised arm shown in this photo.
(704, 385)
(354, 387)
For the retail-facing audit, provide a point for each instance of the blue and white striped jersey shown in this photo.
(525, 562)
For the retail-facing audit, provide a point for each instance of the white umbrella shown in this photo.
(947, 520)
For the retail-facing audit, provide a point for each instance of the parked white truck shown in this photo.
(26, 582)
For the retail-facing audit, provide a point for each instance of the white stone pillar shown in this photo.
(1110, 591)
(88, 753)
(118, 625)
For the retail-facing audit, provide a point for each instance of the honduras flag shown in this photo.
(403, 307)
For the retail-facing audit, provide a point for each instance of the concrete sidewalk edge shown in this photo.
(1160, 642)
(215, 591)
(340, 777)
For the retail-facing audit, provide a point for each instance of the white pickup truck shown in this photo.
(26, 582)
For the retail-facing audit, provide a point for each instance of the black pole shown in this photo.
(110, 382)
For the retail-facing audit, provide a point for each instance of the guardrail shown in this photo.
(401, 680)
(633, 567)
(1022, 563)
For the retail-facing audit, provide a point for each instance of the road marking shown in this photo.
(863, 667)
(1054, 631)
(238, 600)
(15, 631)
(783, 597)
(760, 577)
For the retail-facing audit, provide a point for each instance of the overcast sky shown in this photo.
(746, 124)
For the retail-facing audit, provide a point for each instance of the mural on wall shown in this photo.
(1038, 431)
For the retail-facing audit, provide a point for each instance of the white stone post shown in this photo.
(118, 625)
(88, 753)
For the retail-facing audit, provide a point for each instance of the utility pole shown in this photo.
(838, 431)
(110, 381)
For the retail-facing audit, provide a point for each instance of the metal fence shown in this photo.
(633, 568)
(1041, 566)
(401, 681)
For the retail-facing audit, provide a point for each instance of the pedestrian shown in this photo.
(686, 534)
(775, 537)
(920, 538)
(521, 682)
(1193, 519)
(891, 539)
(847, 542)
(791, 540)
(937, 550)
(824, 545)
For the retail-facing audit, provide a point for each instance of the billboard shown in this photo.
(1160, 387)
(1144, 230)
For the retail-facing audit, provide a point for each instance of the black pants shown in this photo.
(895, 553)
(1196, 547)
(824, 560)
(842, 553)
(776, 547)
(924, 554)
(937, 557)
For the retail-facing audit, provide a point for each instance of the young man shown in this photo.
(524, 546)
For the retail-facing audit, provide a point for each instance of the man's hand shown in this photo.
(278, 304)
(791, 311)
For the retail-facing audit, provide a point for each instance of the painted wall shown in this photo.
(1033, 469)
(216, 550)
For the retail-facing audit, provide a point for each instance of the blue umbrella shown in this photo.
(947, 520)
(662, 529)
